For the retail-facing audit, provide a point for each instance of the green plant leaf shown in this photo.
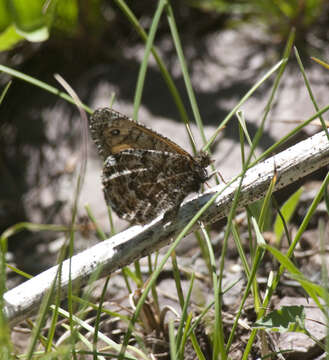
(29, 19)
(27, 15)
(9, 38)
(287, 210)
(312, 289)
(5, 18)
(40, 34)
(288, 318)
(259, 236)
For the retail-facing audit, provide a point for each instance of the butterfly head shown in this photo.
(203, 159)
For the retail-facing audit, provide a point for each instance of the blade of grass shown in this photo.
(243, 127)
(98, 316)
(324, 276)
(40, 84)
(309, 89)
(5, 342)
(15, 229)
(172, 340)
(238, 244)
(187, 80)
(112, 228)
(183, 319)
(95, 307)
(147, 51)
(91, 216)
(46, 302)
(181, 344)
(178, 284)
(4, 91)
(155, 297)
(251, 280)
(204, 251)
(196, 347)
(199, 318)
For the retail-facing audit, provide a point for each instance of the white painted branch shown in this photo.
(138, 241)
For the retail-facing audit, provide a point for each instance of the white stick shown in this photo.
(138, 241)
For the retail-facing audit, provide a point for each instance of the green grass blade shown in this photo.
(187, 80)
(172, 340)
(4, 91)
(310, 92)
(148, 48)
(312, 289)
(184, 316)
(40, 84)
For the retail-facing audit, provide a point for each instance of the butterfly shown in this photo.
(144, 173)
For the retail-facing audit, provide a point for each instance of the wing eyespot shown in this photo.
(115, 132)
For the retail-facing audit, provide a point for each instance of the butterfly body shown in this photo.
(144, 173)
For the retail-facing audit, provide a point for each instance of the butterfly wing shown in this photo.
(141, 184)
(114, 132)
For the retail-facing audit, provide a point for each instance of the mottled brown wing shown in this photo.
(141, 184)
(113, 132)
